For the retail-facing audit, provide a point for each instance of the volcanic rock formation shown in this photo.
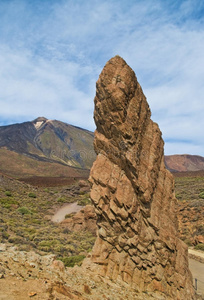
(133, 193)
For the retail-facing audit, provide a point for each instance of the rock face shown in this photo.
(85, 219)
(133, 193)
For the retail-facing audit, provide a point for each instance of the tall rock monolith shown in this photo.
(133, 193)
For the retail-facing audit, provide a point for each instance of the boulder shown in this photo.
(85, 219)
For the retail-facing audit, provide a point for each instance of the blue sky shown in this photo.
(52, 52)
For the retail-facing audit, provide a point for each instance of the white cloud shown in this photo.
(33, 87)
(52, 52)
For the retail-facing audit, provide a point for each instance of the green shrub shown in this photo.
(36, 221)
(24, 211)
(178, 196)
(8, 193)
(73, 260)
(69, 215)
(66, 231)
(201, 195)
(5, 235)
(32, 195)
(7, 205)
(6, 202)
(47, 243)
(199, 247)
(66, 199)
(188, 242)
(84, 202)
(15, 240)
(81, 193)
(61, 200)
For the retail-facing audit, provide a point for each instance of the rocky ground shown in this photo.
(25, 274)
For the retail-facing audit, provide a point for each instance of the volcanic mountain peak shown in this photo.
(51, 141)
(40, 119)
(39, 122)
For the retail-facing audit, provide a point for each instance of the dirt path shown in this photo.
(59, 216)
(197, 270)
(196, 253)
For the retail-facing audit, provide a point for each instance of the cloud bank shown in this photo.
(52, 52)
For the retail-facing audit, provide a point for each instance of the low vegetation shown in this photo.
(73, 260)
(199, 247)
(85, 200)
(25, 221)
(201, 195)
(190, 194)
(26, 211)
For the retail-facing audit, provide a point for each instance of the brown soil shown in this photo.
(65, 210)
(40, 181)
(26, 275)
(188, 174)
(20, 166)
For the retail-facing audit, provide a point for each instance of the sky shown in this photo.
(52, 52)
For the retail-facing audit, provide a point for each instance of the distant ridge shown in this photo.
(184, 163)
(44, 147)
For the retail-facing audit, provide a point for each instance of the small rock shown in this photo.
(84, 183)
(32, 294)
(2, 247)
(58, 264)
(1, 276)
(2, 270)
(87, 289)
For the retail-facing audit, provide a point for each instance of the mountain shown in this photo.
(184, 163)
(46, 148)
(50, 140)
(53, 148)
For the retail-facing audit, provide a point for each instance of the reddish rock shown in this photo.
(199, 239)
(85, 219)
(84, 186)
(133, 193)
(87, 289)
(58, 265)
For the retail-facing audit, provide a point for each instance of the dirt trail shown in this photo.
(59, 216)
(196, 252)
(197, 270)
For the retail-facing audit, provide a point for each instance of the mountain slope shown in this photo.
(22, 166)
(51, 141)
(184, 163)
(45, 147)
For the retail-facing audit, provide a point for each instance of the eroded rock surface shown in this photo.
(26, 275)
(133, 193)
(85, 219)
